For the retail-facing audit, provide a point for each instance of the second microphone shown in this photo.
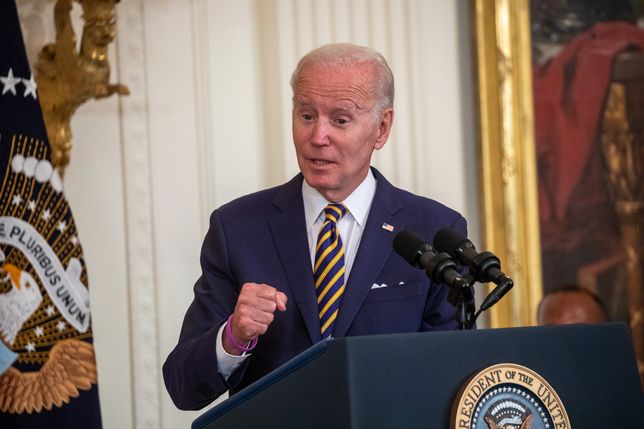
(440, 267)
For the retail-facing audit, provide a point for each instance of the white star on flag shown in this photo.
(62, 226)
(31, 206)
(46, 214)
(31, 347)
(39, 331)
(17, 199)
(9, 82)
(50, 310)
(74, 240)
(30, 86)
(61, 326)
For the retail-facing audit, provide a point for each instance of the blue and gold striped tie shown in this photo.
(328, 271)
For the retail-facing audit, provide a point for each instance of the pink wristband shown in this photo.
(233, 340)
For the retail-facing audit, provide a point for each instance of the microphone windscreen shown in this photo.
(410, 246)
(448, 240)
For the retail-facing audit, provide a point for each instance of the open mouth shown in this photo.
(320, 162)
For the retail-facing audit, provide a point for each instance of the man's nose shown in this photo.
(320, 132)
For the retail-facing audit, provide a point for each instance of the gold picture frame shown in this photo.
(507, 160)
(508, 168)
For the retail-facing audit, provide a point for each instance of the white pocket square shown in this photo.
(378, 286)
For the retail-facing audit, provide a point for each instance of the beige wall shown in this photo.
(209, 120)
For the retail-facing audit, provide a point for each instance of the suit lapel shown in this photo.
(289, 232)
(374, 250)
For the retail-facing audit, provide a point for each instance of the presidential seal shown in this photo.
(508, 396)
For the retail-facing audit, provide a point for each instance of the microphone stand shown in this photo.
(442, 269)
(462, 297)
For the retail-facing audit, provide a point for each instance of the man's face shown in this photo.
(335, 130)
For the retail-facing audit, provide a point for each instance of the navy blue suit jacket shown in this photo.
(262, 238)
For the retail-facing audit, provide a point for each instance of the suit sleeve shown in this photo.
(439, 314)
(190, 372)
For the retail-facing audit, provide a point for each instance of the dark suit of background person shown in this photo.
(262, 238)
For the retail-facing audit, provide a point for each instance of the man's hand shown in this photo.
(253, 314)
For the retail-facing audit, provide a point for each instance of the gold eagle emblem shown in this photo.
(71, 366)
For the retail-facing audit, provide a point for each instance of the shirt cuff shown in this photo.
(226, 362)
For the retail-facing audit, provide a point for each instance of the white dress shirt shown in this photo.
(350, 227)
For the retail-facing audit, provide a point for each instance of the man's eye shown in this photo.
(307, 116)
(341, 121)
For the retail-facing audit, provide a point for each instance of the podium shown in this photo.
(412, 380)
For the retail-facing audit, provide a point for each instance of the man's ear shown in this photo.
(384, 127)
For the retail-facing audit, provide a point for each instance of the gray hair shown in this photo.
(347, 55)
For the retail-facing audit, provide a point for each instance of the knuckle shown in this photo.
(269, 290)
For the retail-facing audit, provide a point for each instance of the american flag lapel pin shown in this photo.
(387, 227)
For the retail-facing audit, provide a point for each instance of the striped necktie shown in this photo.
(328, 271)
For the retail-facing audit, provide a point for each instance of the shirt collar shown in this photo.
(358, 203)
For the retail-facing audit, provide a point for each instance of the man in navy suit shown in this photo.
(255, 304)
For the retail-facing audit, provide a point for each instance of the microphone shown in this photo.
(439, 266)
(485, 266)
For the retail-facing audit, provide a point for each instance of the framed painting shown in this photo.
(561, 149)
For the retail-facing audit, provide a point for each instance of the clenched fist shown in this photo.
(253, 314)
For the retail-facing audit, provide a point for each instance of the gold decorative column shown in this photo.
(68, 77)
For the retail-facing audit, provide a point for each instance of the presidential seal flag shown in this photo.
(49, 379)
